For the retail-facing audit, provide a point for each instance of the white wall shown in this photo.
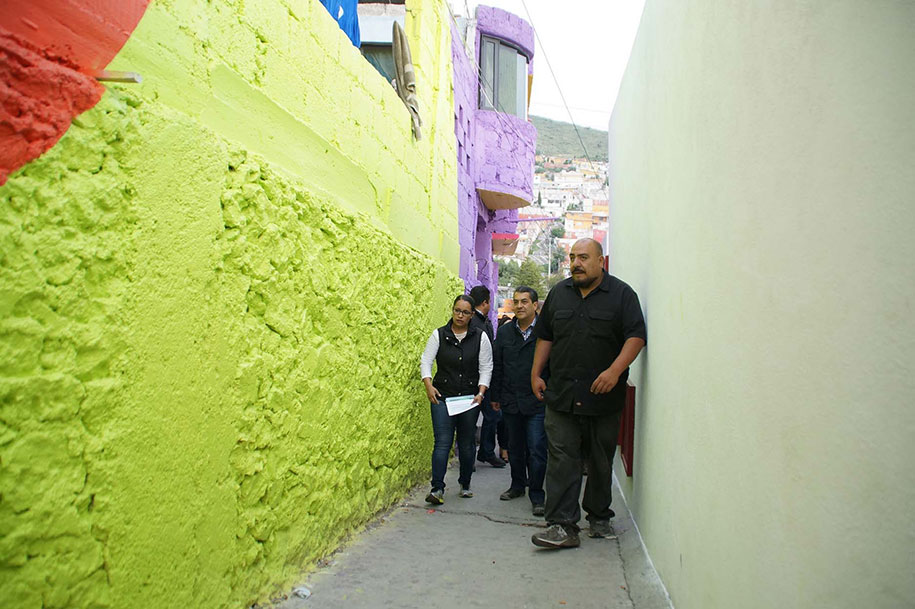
(763, 207)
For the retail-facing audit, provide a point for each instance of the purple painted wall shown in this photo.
(504, 25)
(505, 152)
(495, 150)
(465, 104)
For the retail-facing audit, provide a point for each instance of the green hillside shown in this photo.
(555, 138)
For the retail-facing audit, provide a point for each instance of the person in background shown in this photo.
(590, 329)
(523, 412)
(463, 355)
(492, 419)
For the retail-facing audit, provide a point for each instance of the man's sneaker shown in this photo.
(465, 493)
(436, 497)
(600, 528)
(538, 509)
(512, 493)
(492, 460)
(555, 537)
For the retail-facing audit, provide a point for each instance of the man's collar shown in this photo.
(533, 323)
(604, 282)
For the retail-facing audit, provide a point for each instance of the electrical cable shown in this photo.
(555, 80)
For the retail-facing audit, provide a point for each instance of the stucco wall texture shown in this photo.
(506, 146)
(209, 338)
(762, 186)
(466, 91)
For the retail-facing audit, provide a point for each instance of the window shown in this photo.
(503, 78)
(376, 19)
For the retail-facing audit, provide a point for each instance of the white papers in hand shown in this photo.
(459, 404)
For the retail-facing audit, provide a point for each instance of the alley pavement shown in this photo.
(477, 552)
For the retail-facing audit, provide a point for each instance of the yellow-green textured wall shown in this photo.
(761, 160)
(213, 295)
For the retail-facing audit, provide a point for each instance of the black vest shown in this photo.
(458, 362)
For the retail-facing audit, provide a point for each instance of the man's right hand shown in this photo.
(432, 393)
(538, 386)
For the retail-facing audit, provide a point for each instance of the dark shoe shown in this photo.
(555, 537)
(538, 510)
(600, 528)
(436, 497)
(512, 493)
(465, 493)
(495, 461)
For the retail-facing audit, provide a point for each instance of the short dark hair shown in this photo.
(480, 294)
(528, 290)
(465, 298)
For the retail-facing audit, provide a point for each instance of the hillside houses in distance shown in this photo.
(574, 191)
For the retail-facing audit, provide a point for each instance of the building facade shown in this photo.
(761, 206)
(492, 54)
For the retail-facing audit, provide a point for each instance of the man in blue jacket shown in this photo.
(492, 419)
(512, 358)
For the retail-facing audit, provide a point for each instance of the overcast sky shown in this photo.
(587, 43)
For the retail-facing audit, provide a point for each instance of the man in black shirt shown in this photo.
(590, 329)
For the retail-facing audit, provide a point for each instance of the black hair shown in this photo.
(480, 294)
(528, 290)
(465, 298)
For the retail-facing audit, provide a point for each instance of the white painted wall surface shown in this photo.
(763, 207)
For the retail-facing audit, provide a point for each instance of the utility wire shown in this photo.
(594, 110)
(555, 80)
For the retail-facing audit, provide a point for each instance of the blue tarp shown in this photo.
(344, 12)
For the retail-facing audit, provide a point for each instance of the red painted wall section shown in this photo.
(49, 50)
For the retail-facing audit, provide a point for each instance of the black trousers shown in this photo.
(572, 439)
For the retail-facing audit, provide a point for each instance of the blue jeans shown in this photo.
(443, 428)
(527, 448)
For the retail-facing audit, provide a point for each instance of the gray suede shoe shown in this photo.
(600, 528)
(556, 537)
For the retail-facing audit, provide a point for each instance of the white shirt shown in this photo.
(485, 365)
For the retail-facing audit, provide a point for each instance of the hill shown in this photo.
(555, 138)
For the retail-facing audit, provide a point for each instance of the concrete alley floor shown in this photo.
(477, 553)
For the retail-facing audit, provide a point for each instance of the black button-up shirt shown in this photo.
(587, 335)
